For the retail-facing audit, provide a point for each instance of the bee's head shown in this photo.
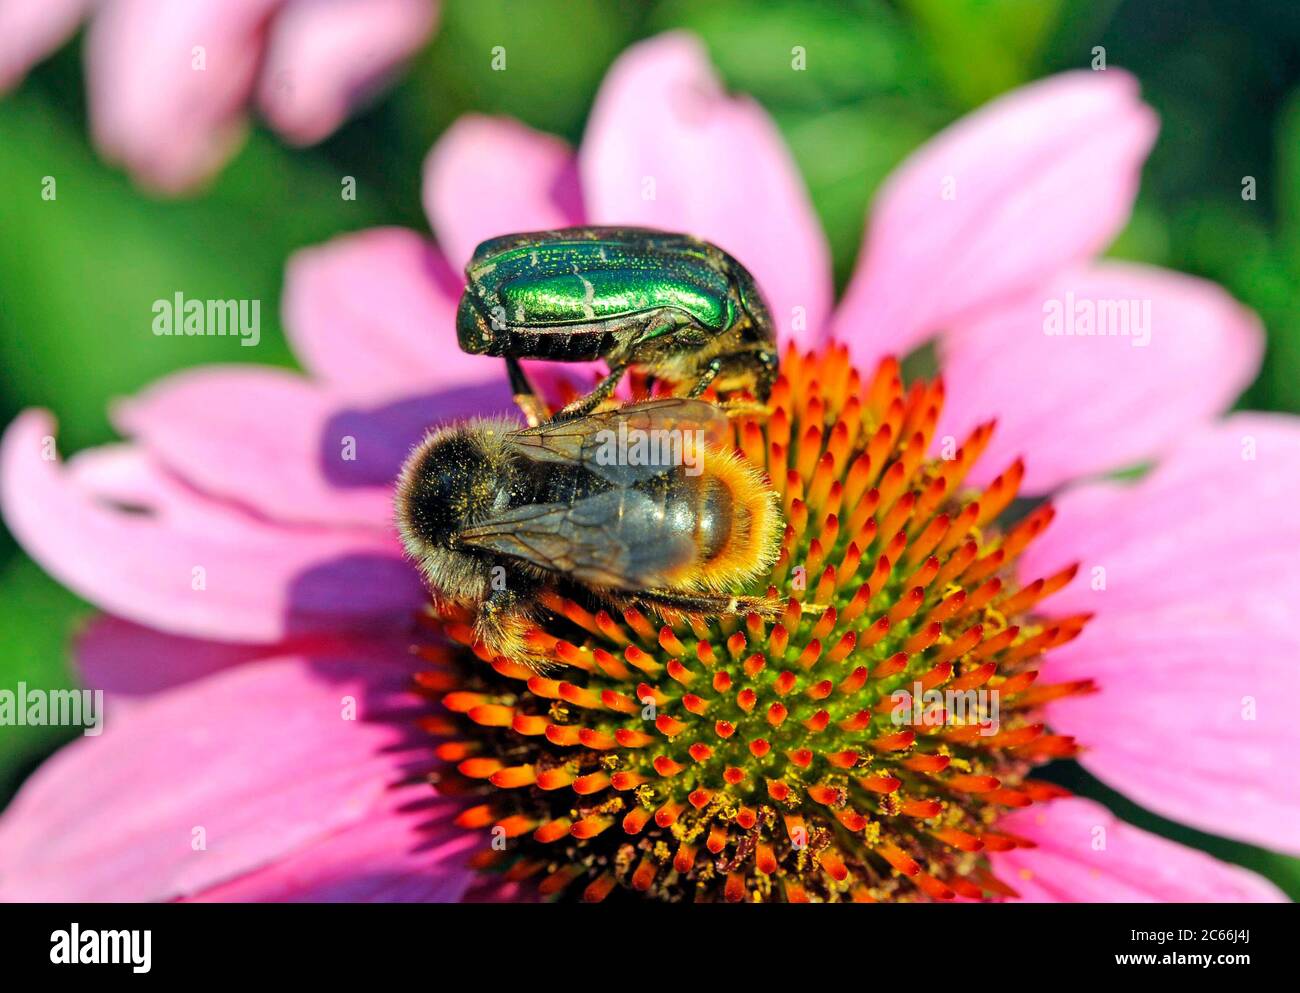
(450, 481)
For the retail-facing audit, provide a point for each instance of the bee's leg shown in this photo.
(711, 603)
(505, 619)
(526, 397)
(604, 389)
(495, 621)
(745, 408)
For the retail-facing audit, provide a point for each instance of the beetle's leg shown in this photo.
(526, 397)
(769, 369)
(710, 603)
(732, 408)
(707, 377)
(583, 406)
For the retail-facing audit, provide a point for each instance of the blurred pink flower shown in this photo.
(171, 82)
(225, 701)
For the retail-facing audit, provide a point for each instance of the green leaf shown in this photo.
(1287, 178)
(539, 61)
(843, 156)
(803, 55)
(1145, 238)
(36, 628)
(983, 47)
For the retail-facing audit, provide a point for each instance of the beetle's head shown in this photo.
(473, 328)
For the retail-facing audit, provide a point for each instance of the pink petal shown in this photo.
(1074, 406)
(130, 662)
(1193, 719)
(495, 889)
(1193, 575)
(168, 122)
(374, 315)
(488, 176)
(1210, 528)
(326, 56)
(404, 852)
(276, 442)
(122, 473)
(1085, 854)
(258, 582)
(262, 759)
(31, 31)
(1038, 179)
(665, 147)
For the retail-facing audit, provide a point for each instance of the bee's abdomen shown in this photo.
(714, 517)
(733, 520)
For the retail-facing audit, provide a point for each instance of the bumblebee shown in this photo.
(672, 306)
(644, 505)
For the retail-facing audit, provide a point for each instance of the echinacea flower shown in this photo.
(289, 719)
(171, 82)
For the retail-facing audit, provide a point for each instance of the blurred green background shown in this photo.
(78, 275)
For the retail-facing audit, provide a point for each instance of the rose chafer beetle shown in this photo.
(672, 306)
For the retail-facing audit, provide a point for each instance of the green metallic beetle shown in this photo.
(674, 307)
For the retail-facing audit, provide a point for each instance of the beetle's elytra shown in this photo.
(675, 307)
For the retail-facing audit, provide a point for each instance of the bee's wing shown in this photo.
(619, 539)
(631, 443)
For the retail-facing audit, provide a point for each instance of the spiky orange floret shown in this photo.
(733, 758)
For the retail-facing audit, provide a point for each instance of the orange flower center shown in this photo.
(860, 747)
